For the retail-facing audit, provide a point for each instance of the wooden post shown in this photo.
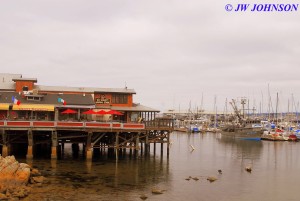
(4, 147)
(4, 151)
(130, 150)
(117, 146)
(89, 150)
(147, 146)
(62, 149)
(168, 144)
(30, 144)
(54, 145)
(142, 149)
(137, 141)
(161, 147)
(56, 114)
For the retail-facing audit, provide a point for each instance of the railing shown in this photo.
(159, 123)
(70, 124)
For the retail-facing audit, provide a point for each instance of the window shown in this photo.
(25, 88)
(33, 98)
(119, 98)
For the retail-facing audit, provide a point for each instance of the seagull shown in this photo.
(248, 168)
(220, 171)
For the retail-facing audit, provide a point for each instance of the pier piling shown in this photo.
(29, 154)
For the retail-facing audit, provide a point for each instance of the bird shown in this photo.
(220, 171)
(248, 168)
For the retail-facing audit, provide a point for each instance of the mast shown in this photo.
(215, 107)
(276, 118)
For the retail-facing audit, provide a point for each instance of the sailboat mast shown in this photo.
(276, 108)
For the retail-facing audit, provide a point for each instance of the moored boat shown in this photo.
(248, 131)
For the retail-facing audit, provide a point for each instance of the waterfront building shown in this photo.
(28, 109)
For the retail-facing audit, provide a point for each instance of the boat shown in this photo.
(243, 128)
(280, 134)
(247, 131)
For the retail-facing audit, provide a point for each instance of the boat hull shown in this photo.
(249, 133)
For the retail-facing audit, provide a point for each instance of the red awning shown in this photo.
(69, 111)
(101, 112)
(90, 112)
(114, 112)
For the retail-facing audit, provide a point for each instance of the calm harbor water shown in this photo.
(275, 173)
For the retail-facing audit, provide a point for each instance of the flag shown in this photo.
(16, 101)
(60, 100)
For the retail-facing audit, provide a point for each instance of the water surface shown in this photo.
(274, 176)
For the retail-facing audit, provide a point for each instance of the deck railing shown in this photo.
(160, 123)
(70, 124)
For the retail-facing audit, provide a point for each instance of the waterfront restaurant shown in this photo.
(37, 102)
(36, 116)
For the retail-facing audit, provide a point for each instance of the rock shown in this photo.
(14, 177)
(143, 197)
(39, 179)
(35, 172)
(196, 178)
(211, 179)
(23, 173)
(157, 191)
(12, 172)
(220, 171)
(3, 197)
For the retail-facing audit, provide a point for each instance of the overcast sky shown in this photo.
(170, 51)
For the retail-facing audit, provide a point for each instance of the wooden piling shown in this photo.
(29, 154)
(54, 145)
(137, 141)
(168, 144)
(117, 147)
(4, 146)
(89, 150)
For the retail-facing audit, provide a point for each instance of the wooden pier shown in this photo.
(50, 137)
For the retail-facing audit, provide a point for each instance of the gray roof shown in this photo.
(71, 99)
(8, 86)
(7, 83)
(84, 89)
(134, 108)
(25, 79)
(7, 77)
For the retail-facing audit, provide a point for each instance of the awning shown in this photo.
(33, 107)
(4, 106)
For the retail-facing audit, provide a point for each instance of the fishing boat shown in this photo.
(243, 128)
(247, 131)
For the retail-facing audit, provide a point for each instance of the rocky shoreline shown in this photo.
(17, 178)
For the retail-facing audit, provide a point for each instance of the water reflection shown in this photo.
(241, 148)
(88, 180)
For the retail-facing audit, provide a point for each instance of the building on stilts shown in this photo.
(39, 120)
